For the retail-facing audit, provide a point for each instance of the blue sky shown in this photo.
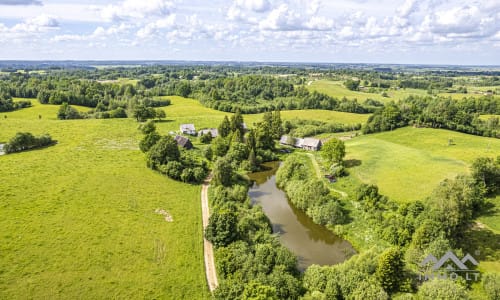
(384, 31)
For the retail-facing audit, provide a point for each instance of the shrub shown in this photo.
(23, 141)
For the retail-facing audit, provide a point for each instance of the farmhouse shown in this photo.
(311, 144)
(287, 140)
(183, 142)
(306, 143)
(1, 149)
(213, 131)
(188, 129)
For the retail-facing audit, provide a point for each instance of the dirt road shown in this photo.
(208, 249)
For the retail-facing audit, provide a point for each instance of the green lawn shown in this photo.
(408, 163)
(338, 90)
(78, 218)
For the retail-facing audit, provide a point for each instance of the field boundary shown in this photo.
(208, 250)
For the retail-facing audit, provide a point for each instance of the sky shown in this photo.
(335, 31)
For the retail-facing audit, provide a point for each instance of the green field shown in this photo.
(78, 218)
(338, 90)
(185, 110)
(408, 163)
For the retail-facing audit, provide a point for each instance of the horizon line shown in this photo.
(247, 61)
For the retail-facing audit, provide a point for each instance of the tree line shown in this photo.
(439, 112)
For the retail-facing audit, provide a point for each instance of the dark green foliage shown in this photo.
(390, 269)
(292, 169)
(438, 112)
(225, 127)
(149, 141)
(454, 204)
(206, 138)
(369, 196)
(442, 289)
(236, 123)
(254, 94)
(7, 104)
(387, 118)
(23, 141)
(118, 113)
(305, 128)
(491, 285)
(333, 151)
(229, 289)
(67, 112)
(222, 228)
(219, 146)
(238, 153)
(141, 113)
(352, 85)
(148, 127)
(329, 213)
(276, 125)
(257, 291)
(486, 172)
(264, 138)
(309, 195)
(162, 152)
(223, 172)
(160, 114)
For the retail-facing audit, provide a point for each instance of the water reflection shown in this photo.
(312, 243)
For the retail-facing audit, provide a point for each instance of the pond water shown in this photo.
(312, 243)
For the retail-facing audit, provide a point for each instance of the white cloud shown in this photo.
(253, 5)
(283, 18)
(152, 28)
(137, 9)
(100, 33)
(408, 7)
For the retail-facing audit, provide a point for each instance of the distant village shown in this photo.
(308, 143)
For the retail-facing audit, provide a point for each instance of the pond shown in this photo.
(312, 243)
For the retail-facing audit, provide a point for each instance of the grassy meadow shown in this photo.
(408, 163)
(185, 110)
(78, 218)
(338, 90)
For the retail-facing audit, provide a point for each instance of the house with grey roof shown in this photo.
(188, 129)
(183, 142)
(213, 132)
(311, 144)
(305, 143)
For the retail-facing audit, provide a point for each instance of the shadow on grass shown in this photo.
(163, 121)
(33, 149)
(350, 163)
(483, 244)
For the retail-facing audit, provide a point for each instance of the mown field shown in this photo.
(78, 218)
(338, 90)
(408, 163)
